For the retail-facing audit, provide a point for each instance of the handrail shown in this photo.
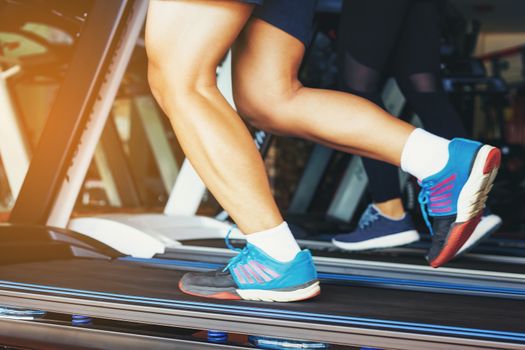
(502, 53)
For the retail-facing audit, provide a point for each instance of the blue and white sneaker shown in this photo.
(455, 197)
(376, 231)
(253, 275)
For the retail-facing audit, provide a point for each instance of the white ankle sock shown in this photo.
(424, 154)
(277, 242)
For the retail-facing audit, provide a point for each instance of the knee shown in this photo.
(261, 110)
(173, 82)
(265, 106)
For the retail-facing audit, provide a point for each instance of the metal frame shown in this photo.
(78, 116)
(246, 324)
(151, 122)
(114, 169)
(310, 179)
(63, 337)
(13, 148)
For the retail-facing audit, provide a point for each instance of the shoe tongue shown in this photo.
(372, 209)
(367, 215)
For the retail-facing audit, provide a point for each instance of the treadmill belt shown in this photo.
(130, 278)
(410, 256)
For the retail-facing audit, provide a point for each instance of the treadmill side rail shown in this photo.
(279, 328)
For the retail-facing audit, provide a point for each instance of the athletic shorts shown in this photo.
(295, 17)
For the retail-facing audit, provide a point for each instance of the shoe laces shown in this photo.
(424, 199)
(368, 217)
(242, 254)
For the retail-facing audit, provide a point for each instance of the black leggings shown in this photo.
(399, 38)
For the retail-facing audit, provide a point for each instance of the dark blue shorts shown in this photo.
(295, 17)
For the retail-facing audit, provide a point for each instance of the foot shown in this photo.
(377, 231)
(454, 198)
(488, 224)
(253, 275)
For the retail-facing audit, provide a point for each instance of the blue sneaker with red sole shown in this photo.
(455, 197)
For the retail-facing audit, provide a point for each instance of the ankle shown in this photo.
(277, 242)
(391, 209)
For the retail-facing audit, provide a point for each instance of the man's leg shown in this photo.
(185, 41)
(417, 69)
(266, 61)
(268, 93)
(362, 70)
(184, 46)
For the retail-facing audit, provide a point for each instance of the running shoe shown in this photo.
(253, 275)
(454, 198)
(376, 231)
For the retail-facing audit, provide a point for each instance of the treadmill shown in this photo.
(62, 272)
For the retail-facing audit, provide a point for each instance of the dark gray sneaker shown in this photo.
(254, 275)
(216, 284)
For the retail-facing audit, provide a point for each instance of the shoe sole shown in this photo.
(311, 290)
(305, 293)
(390, 241)
(487, 226)
(471, 202)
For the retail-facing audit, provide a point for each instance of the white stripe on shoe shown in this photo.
(474, 193)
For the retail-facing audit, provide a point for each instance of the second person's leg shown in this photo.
(363, 69)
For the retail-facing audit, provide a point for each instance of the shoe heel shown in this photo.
(483, 175)
(493, 161)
